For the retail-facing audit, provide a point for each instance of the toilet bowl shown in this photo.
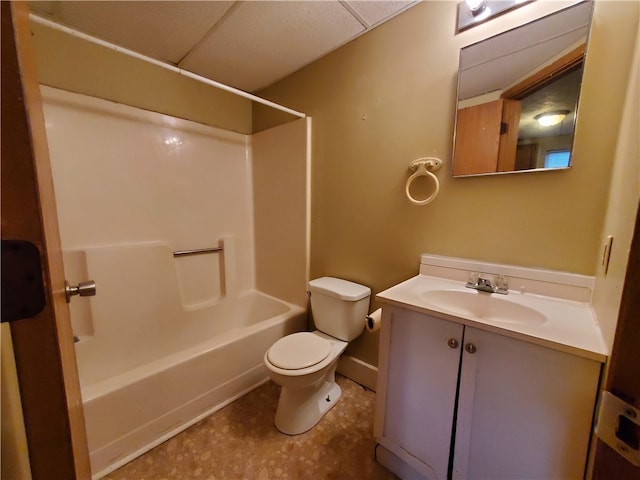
(309, 388)
(304, 363)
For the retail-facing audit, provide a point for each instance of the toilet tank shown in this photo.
(339, 307)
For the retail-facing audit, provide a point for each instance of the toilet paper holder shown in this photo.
(373, 320)
(422, 167)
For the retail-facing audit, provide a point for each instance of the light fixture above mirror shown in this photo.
(476, 6)
(474, 12)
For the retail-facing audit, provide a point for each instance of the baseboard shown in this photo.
(360, 372)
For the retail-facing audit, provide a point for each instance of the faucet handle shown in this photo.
(501, 284)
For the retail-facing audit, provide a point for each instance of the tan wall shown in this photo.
(78, 66)
(621, 211)
(388, 98)
(13, 442)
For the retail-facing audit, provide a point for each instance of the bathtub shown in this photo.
(153, 359)
(169, 338)
(136, 410)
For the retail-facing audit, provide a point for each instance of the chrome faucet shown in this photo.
(500, 283)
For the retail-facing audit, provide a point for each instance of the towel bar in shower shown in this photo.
(196, 251)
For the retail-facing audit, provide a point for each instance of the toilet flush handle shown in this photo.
(84, 289)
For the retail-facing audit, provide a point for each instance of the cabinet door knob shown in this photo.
(470, 347)
(453, 343)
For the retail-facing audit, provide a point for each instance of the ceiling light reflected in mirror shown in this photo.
(549, 119)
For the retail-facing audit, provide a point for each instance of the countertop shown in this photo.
(569, 326)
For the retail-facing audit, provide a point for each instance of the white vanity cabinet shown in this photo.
(465, 402)
(420, 362)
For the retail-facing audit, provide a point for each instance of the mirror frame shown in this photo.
(497, 150)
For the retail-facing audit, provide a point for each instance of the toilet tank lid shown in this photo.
(337, 287)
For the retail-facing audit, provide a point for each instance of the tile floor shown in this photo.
(241, 442)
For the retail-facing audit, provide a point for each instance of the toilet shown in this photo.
(304, 363)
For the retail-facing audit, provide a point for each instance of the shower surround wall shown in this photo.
(170, 339)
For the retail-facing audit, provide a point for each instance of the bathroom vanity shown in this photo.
(482, 385)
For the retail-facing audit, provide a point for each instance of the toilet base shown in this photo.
(300, 409)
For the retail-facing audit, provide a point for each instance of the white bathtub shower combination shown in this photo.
(169, 339)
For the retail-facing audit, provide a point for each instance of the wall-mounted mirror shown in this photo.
(518, 96)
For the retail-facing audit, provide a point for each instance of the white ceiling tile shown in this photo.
(166, 30)
(248, 44)
(374, 12)
(262, 42)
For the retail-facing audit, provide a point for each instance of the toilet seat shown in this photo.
(298, 350)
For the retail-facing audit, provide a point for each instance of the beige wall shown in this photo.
(79, 66)
(621, 210)
(388, 98)
(14, 453)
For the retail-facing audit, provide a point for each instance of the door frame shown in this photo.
(622, 374)
(43, 344)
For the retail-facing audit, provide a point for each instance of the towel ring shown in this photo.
(424, 167)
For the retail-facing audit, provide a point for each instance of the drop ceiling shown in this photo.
(245, 44)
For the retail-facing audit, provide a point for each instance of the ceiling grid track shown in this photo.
(355, 14)
(210, 32)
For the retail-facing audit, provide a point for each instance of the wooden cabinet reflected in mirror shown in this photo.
(507, 83)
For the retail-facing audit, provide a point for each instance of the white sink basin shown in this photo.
(484, 306)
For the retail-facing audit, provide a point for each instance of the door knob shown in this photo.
(452, 342)
(471, 348)
(84, 289)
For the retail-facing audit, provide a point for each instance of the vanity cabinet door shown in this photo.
(422, 360)
(524, 411)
